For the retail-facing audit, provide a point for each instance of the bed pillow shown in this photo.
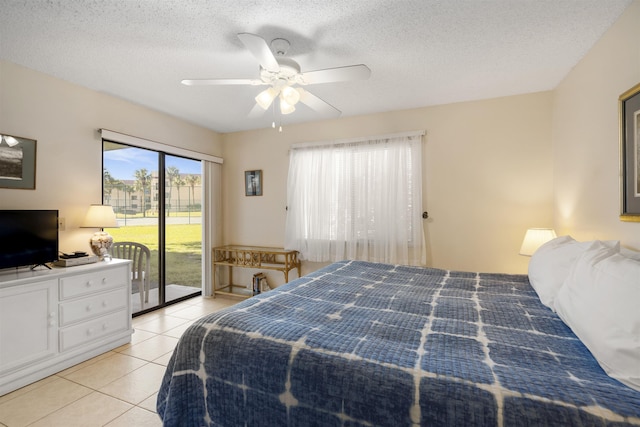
(549, 266)
(548, 269)
(599, 302)
(630, 253)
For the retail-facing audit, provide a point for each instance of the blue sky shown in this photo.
(122, 164)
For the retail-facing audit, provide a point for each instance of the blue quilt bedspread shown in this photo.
(366, 344)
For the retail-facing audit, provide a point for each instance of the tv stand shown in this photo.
(53, 319)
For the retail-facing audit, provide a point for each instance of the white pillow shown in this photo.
(599, 302)
(630, 253)
(549, 266)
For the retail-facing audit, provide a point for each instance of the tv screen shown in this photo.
(28, 237)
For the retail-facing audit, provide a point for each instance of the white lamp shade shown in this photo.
(290, 95)
(534, 238)
(285, 107)
(100, 216)
(266, 97)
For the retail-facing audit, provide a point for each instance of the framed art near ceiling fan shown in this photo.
(629, 110)
(284, 78)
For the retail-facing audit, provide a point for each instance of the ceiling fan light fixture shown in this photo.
(266, 97)
(280, 74)
(285, 107)
(290, 95)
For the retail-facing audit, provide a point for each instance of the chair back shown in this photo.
(140, 257)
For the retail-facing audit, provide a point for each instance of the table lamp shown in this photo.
(534, 238)
(100, 216)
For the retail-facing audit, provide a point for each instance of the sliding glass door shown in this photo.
(183, 227)
(157, 199)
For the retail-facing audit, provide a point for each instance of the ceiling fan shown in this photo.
(284, 78)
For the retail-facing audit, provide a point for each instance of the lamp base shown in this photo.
(100, 243)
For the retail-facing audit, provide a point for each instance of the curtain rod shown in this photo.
(158, 146)
(358, 139)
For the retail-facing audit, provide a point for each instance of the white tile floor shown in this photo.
(118, 388)
(172, 292)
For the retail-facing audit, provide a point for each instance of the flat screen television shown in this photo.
(28, 237)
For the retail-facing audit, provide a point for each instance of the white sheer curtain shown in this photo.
(357, 199)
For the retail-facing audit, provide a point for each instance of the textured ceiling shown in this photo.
(420, 52)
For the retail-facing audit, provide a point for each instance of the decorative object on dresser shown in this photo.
(17, 162)
(53, 319)
(100, 216)
(630, 154)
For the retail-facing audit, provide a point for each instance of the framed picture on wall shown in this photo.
(17, 162)
(253, 183)
(630, 154)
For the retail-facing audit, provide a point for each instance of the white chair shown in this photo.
(140, 257)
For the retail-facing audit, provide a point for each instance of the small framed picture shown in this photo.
(17, 162)
(253, 183)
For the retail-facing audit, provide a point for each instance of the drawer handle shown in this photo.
(52, 315)
(105, 326)
(104, 280)
(105, 303)
(52, 323)
(89, 283)
(90, 331)
(89, 307)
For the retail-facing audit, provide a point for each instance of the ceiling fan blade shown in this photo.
(211, 82)
(260, 49)
(339, 74)
(256, 111)
(317, 104)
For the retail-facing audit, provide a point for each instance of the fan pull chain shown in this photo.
(273, 113)
(273, 123)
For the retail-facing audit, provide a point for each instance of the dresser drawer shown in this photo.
(92, 306)
(74, 336)
(82, 284)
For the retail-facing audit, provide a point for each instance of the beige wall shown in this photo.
(586, 136)
(490, 167)
(487, 177)
(64, 119)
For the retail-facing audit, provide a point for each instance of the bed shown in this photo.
(368, 344)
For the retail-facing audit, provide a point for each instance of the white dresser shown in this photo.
(53, 319)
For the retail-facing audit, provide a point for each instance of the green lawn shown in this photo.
(184, 250)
